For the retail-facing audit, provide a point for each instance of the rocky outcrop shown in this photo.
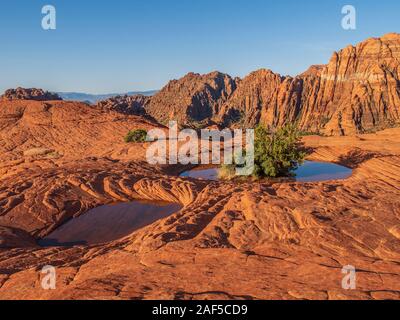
(357, 91)
(263, 96)
(29, 94)
(193, 98)
(131, 105)
(227, 242)
(36, 129)
(296, 237)
(15, 238)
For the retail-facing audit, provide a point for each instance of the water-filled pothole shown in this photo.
(108, 223)
(310, 171)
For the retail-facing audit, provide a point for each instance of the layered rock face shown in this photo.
(247, 240)
(357, 91)
(29, 94)
(250, 240)
(193, 98)
(131, 105)
(263, 96)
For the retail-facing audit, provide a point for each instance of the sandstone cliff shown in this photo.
(357, 91)
(263, 96)
(193, 98)
(131, 105)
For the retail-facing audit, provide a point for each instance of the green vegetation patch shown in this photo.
(136, 136)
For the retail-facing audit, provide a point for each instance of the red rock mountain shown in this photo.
(194, 98)
(132, 105)
(357, 91)
(29, 94)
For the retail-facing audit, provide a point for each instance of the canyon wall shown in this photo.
(193, 98)
(357, 91)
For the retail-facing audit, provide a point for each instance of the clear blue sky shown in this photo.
(105, 46)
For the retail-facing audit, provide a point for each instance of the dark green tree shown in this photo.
(136, 136)
(277, 153)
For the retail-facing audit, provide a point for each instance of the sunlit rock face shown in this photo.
(357, 91)
(193, 98)
(130, 105)
(29, 94)
(359, 88)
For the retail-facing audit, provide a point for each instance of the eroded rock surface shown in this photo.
(230, 241)
(192, 99)
(29, 94)
(130, 105)
(250, 240)
(356, 92)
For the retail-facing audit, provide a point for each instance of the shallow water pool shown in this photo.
(310, 171)
(108, 223)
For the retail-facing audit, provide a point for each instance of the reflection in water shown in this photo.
(205, 174)
(310, 171)
(108, 223)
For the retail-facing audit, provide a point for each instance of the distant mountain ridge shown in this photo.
(94, 98)
(357, 91)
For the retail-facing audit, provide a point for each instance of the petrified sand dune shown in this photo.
(54, 129)
(230, 240)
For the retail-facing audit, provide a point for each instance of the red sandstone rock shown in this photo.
(194, 98)
(29, 94)
(357, 91)
(250, 240)
(132, 105)
(231, 240)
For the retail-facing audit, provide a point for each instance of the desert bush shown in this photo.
(136, 136)
(276, 154)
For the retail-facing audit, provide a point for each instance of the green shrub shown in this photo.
(136, 136)
(276, 154)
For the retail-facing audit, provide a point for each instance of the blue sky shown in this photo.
(105, 46)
